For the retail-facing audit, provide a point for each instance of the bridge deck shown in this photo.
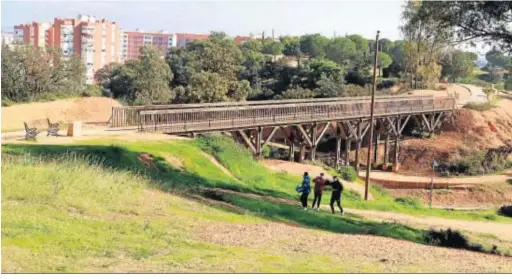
(242, 115)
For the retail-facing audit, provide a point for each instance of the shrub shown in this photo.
(93, 91)
(452, 239)
(352, 90)
(355, 77)
(505, 210)
(348, 173)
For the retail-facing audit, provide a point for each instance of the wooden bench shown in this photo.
(30, 133)
(53, 128)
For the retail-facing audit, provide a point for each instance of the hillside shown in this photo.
(473, 130)
(108, 205)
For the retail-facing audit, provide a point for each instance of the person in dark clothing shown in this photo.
(305, 189)
(319, 188)
(337, 190)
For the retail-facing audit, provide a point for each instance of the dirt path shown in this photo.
(501, 230)
(353, 253)
(299, 169)
(474, 180)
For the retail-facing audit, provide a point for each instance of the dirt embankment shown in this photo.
(473, 130)
(91, 109)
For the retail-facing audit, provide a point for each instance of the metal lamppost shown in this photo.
(369, 157)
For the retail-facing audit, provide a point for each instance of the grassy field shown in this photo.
(95, 207)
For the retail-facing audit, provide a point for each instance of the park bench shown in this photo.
(53, 128)
(30, 133)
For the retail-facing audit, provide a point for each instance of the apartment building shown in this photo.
(31, 34)
(133, 41)
(97, 42)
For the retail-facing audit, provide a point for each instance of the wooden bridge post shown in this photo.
(386, 149)
(358, 144)
(376, 150)
(259, 136)
(313, 141)
(348, 142)
(396, 163)
(338, 146)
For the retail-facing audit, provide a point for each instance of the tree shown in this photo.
(497, 59)
(272, 47)
(385, 45)
(239, 90)
(341, 50)
(327, 88)
(291, 45)
(457, 64)
(397, 53)
(152, 79)
(31, 73)
(313, 45)
(383, 61)
(204, 87)
(251, 45)
(117, 79)
(424, 40)
(212, 55)
(360, 42)
(488, 21)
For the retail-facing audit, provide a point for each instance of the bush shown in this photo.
(355, 77)
(477, 163)
(505, 210)
(348, 173)
(93, 91)
(452, 239)
(385, 84)
(352, 90)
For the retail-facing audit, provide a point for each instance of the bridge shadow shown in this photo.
(166, 178)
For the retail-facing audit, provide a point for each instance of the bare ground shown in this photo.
(354, 252)
(90, 109)
(474, 197)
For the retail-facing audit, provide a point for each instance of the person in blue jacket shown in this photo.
(305, 189)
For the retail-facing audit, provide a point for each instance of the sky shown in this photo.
(233, 17)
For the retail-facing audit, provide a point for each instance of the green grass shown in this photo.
(74, 214)
(95, 207)
(251, 177)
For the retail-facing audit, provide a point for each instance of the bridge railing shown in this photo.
(226, 118)
(129, 116)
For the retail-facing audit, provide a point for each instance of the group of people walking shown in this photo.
(320, 182)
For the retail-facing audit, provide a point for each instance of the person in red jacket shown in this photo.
(319, 188)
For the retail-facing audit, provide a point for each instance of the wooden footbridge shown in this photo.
(298, 123)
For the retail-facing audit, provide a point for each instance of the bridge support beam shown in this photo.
(258, 143)
(386, 149)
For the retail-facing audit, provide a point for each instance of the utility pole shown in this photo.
(369, 157)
